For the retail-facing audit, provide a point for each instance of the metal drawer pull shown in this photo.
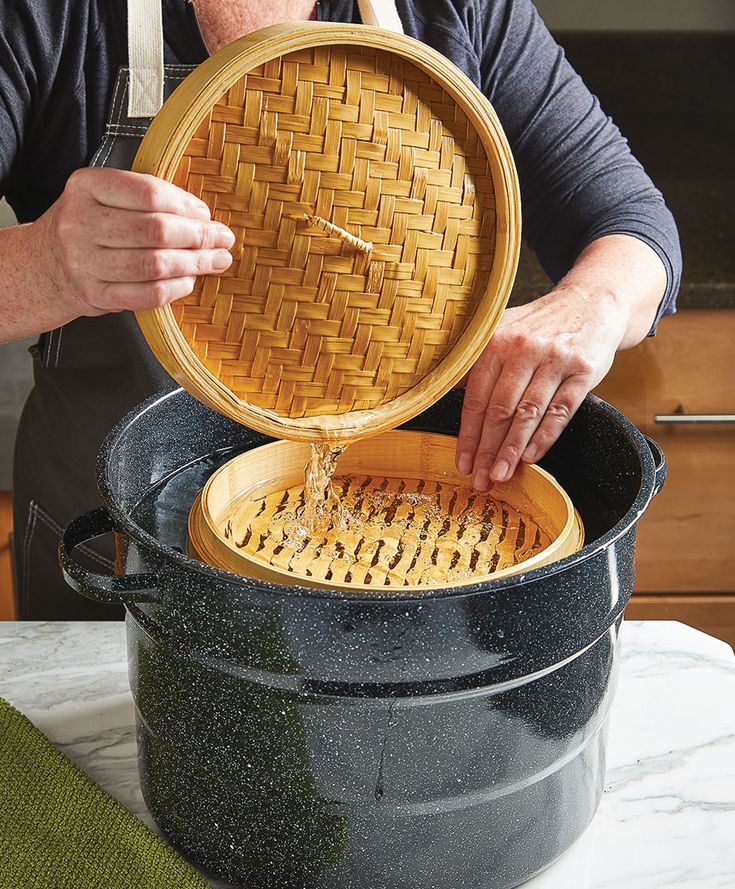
(695, 418)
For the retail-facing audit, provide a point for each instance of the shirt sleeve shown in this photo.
(17, 85)
(43, 114)
(579, 180)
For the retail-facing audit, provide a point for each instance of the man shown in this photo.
(98, 241)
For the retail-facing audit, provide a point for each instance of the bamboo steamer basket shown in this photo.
(247, 483)
(376, 210)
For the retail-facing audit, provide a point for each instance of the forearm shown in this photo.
(579, 181)
(29, 305)
(622, 273)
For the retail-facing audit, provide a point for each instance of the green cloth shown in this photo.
(60, 830)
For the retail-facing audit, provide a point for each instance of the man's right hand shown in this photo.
(118, 240)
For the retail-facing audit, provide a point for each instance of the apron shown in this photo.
(91, 372)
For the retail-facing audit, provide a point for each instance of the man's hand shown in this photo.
(542, 361)
(117, 240)
(546, 356)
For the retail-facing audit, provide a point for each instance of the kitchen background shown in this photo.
(664, 70)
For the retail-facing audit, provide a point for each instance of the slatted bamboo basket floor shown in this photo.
(437, 533)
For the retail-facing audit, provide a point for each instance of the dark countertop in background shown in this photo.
(673, 98)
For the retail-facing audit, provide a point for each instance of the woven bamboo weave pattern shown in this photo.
(303, 323)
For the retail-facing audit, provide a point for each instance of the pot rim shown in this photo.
(125, 524)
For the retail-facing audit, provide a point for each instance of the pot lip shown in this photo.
(123, 522)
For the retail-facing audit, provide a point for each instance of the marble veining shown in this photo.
(667, 817)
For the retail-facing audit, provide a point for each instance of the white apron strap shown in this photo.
(145, 48)
(381, 13)
(145, 57)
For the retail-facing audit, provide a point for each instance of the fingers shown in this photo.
(499, 417)
(480, 383)
(137, 191)
(562, 407)
(526, 431)
(517, 402)
(150, 237)
(530, 380)
(131, 228)
(147, 295)
(137, 266)
(504, 443)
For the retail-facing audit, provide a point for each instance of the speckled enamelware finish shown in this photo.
(294, 737)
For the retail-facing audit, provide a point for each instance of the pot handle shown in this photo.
(101, 587)
(659, 458)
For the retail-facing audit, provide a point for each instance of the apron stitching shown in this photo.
(127, 134)
(35, 512)
(119, 126)
(96, 557)
(118, 108)
(117, 117)
(103, 143)
(104, 160)
(120, 79)
(52, 350)
(58, 347)
(32, 513)
(47, 347)
(135, 129)
(107, 154)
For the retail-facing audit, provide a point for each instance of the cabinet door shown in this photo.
(686, 539)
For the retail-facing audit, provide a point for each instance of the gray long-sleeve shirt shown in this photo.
(579, 180)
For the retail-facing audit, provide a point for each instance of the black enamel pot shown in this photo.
(293, 737)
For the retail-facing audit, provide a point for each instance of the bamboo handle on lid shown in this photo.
(341, 233)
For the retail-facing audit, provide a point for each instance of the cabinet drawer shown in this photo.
(711, 614)
(686, 540)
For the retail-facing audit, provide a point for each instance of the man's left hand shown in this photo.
(523, 390)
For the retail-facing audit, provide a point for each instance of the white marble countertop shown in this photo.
(667, 817)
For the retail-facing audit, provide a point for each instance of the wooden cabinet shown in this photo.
(711, 614)
(686, 540)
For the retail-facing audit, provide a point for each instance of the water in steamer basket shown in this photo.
(381, 531)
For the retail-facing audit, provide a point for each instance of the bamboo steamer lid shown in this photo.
(241, 520)
(376, 210)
